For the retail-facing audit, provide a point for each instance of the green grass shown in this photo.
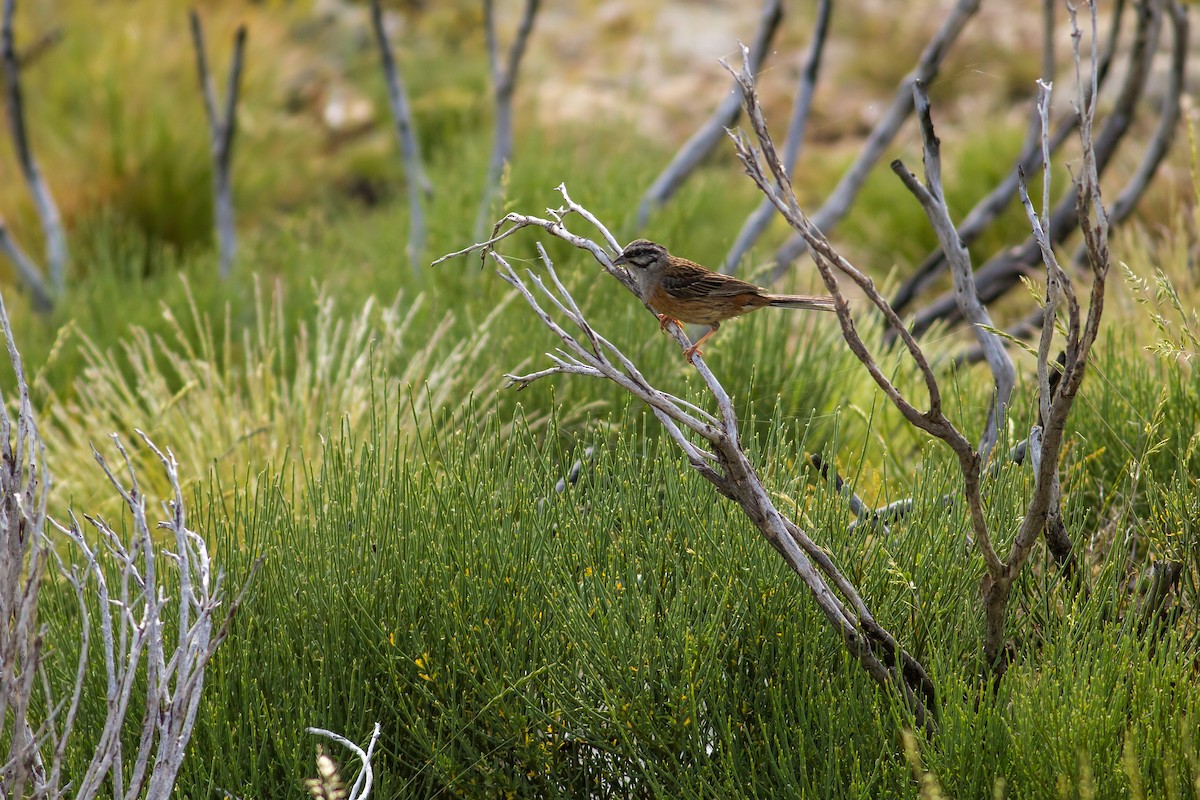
(634, 637)
(633, 629)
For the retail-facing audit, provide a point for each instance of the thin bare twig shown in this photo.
(361, 789)
(1046, 438)
(933, 200)
(222, 126)
(504, 83)
(43, 200)
(761, 217)
(1045, 441)
(24, 483)
(711, 131)
(1156, 150)
(843, 195)
(406, 132)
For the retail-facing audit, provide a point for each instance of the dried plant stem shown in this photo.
(419, 186)
(756, 224)
(222, 127)
(711, 131)
(47, 210)
(504, 84)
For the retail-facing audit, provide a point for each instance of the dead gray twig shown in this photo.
(761, 217)
(222, 126)
(504, 83)
(43, 200)
(933, 200)
(361, 789)
(418, 180)
(711, 131)
(934, 422)
(1003, 271)
(990, 207)
(1045, 442)
(29, 272)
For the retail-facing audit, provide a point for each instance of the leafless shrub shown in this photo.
(1045, 441)
(127, 588)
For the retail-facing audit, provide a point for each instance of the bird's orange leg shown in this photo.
(692, 351)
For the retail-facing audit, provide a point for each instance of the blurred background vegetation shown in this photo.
(345, 416)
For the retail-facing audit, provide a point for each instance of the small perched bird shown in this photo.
(683, 291)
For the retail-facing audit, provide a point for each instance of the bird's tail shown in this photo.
(805, 301)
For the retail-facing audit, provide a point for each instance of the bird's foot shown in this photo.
(664, 320)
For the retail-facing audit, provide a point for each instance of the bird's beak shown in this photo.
(619, 260)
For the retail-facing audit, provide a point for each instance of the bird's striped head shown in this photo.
(642, 254)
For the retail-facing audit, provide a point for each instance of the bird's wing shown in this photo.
(697, 283)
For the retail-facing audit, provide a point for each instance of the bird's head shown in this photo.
(642, 254)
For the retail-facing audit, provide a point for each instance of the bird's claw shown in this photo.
(664, 320)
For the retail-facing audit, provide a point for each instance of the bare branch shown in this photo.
(857, 507)
(406, 132)
(1045, 441)
(1004, 270)
(24, 482)
(934, 421)
(27, 270)
(712, 131)
(760, 218)
(222, 126)
(504, 82)
(843, 195)
(933, 200)
(988, 209)
(43, 200)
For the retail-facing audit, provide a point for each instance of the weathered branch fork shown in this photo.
(1045, 441)
(710, 442)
